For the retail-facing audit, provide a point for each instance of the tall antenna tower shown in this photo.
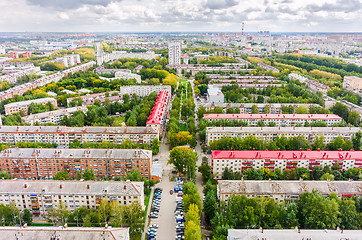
(242, 28)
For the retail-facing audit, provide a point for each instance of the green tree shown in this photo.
(354, 118)
(327, 176)
(210, 205)
(134, 218)
(357, 141)
(62, 212)
(349, 215)
(341, 110)
(134, 175)
(5, 175)
(205, 170)
(254, 109)
(27, 216)
(318, 212)
(155, 146)
(88, 174)
(318, 143)
(62, 175)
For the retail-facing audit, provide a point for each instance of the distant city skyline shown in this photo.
(180, 16)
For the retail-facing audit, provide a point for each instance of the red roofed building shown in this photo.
(281, 120)
(241, 160)
(157, 118)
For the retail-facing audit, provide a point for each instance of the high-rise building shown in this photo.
(174, 53)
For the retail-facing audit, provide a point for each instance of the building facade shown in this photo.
(287, 234)
(38, 196)
(285, 190)
(157, 117)
(214, 94)
(241, 160)
(274, 108)
(52, 116)
(352, 82)
(272, 133)
(44, 163)
(60, 233)
(16, 107)
(127, 76)
(280, 120)
(174, 53)
(63, 136)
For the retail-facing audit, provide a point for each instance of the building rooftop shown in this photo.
(262, 187)
(24, 153)
(258, 105)
(76, 130)
(54, 113)
(158, 108)
(125, 188)
(69, 233)
(285, 130)
(287, 234)
(36, 101)
(293, 155)
(273, 116)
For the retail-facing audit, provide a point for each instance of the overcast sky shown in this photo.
(181, 15)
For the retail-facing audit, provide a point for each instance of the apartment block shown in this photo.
(275, 108)
(285, 190)
(214, 94)
(268, 67)
(352, 82)
(60, 233)
(16, 107)
(174, 53)
(38, 196)
(272, 133)
(144, 90)
(241, 160)
(287, 234)
(52, 116)
(313, 85)
(281, 120)
(63, 136)
(21, 89)
(12, 77)
(157, 117)
(127, 76)
(44, 163)
(69, 60)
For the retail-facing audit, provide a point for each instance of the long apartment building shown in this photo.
(272, 133)
(44, 163)
(275, 108)
(38, 196)
(157, 117)
(312, 84)
(13, 76)
(239, 78)
(16, 107)
(297, 234)
(195, 68)
(52, 116)
(241, 160)
(21, 89)
(63, 136)
(285, 190)
(281, 120)
(60, 233)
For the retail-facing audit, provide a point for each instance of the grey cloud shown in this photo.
(339, 6)
(69, 4)
(220, 4)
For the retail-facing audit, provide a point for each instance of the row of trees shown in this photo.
(310, 63)
(317, 173)
(108, 212)
(184, 133)
(351, 117)
(184, 159)
(312, 211)
(344, 94)
(192, 207)
(283, 143)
